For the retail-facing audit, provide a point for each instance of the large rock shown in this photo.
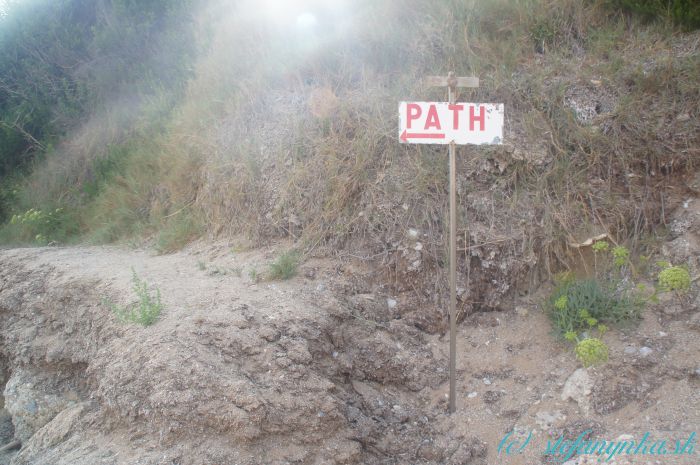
(34, 399)
(578, 388)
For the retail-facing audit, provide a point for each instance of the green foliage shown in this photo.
(601, 246)
(578, 308)
(621, 255)
(581, 304)
(543, 33)
(41, 44)
(285, 267)
(40, 227)
(674, 278)
(591, 351)
(685, 13)
(105, 168)
(148, 308)
(64, 60)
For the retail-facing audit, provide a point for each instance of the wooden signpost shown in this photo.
(451, 123)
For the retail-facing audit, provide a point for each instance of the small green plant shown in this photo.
(601, 246)
(148, 308)
(580, 307)
(591, 351)
(621, 255)
(285, 267)
(253, 275)
(215, 270)
(674, 278)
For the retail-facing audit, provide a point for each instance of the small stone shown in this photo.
(418, 247)
(683, 117)
(625, 437)
(391, 303)
(694, 322)
(672, 309)
(473, 394)
(491, 397)
(487, 381)
(521, 311)
(545, 420)
(310, 273)
(630, 350)
(644, 351)
(412, 233)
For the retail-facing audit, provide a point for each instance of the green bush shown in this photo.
(674, 278)
(148, 308)
(602, 303)
(285, 267)
(591, 351)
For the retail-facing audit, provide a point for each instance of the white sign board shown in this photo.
(442, 123)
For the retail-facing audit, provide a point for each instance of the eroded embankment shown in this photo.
(233, 372)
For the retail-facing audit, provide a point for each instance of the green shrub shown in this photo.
(285, 267)
(591, 351)
(574, 304)
(674, 278)
(148, 308)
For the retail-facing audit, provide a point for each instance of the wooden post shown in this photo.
(452, 82)
(453, 262)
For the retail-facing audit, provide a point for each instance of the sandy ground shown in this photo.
(239, 370)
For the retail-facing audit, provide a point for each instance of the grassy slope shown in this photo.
(286, 133)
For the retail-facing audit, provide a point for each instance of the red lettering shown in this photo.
(481, 118)
(432, 119)
(413, 112)
(455, 114)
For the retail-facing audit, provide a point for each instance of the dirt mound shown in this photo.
(233, 372)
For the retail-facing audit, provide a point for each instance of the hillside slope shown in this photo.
(286, 130)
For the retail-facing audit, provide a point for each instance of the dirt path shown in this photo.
(237, 371)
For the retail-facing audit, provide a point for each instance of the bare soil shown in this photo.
(320, 369)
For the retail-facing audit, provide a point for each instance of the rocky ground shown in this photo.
(314, 370)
